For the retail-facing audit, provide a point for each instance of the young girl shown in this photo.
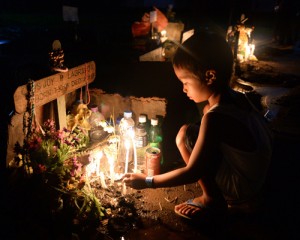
(230, 151)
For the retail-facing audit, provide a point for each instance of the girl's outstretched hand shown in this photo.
(135, 180)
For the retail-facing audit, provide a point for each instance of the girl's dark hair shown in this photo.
(206, 51)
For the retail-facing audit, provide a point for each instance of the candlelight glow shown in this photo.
(111, 162)
(102, 180)
(93, 168)
(127, 146)
(163, 36)
(134, 155)
(104, 164)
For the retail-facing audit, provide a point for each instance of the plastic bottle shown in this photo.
(96, 131)
(117, 124)
(126, 126)
(126, 147)
(155, 136)
(141, 134)
(141, 142)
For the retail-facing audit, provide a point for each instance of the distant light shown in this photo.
(2, 42)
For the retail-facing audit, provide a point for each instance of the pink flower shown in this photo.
(76, 168)
(41, 168)
(60, 135)
(35, 143)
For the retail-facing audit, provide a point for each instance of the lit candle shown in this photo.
(127, 146)
(252, 48)
(111, 169)
(124, 189)
(134, 155)
(247, 52)
(97, 158)
(163, 35)
(102, 180)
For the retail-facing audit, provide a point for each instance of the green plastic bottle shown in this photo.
(156, 137)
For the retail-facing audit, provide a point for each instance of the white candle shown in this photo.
(134, 155)
(102, 180)
(247, 52)
(252, 48)
(127, 146)
(111, 169)
(98, 156)
(124, 190)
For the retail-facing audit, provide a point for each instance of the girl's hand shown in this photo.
(135, 180)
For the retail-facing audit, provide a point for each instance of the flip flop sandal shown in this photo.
(191, 203)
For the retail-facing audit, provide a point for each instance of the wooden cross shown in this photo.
(55, 87)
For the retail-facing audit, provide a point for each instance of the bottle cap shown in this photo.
(142, 119)
(154, 121)
(127, 114)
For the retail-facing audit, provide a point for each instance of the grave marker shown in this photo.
(55, 87)
(52, 87)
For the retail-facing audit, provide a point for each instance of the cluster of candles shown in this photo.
(249, 51)
(102, 162)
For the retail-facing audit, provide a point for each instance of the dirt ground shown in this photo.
(150, 214)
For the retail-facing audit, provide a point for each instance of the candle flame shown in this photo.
(94, 166)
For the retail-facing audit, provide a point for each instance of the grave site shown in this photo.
(93, 201)
(80, 194)
(61, 183)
